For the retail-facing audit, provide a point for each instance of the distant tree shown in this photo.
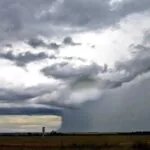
(53, 132)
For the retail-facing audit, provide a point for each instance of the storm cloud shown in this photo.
(69, 41)
(95, 14)
(23, 58)
(87, 61)
(53, 16)
(66, 70)
(37, 42)
(124, 109)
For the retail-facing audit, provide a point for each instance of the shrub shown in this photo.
(141, 146)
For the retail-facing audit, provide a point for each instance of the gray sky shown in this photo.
(85, 61)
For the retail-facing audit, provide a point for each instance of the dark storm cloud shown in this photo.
(125, 109)
(19, 101)
(54, 45)
(140, 48)
(81, 13)
(93, 14)
(74, 58)
(23, 19)
(133, 6)
(68, 118)
(124, 71)
(23, 94)
(146, 37)
(18, 18)
(12, 95)
(94, 79)
(66, 70)
(9, 45)
(30, 111)
(137, 65)
(43, 94)
(23, 58)
(69, 41)
(37, 42)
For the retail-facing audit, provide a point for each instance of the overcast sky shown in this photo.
(85, 61)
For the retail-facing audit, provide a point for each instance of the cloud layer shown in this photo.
(86, 61)
(28, 123)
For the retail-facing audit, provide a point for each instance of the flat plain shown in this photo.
(77, 141)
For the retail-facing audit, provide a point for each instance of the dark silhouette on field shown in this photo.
(70, 134)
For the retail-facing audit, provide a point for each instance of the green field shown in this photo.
(86, 141)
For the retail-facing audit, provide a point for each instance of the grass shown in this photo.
(86, 141)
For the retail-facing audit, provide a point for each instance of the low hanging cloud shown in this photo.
(54, 45)
(69, 41)
(18, 100)
(27, 110)
(37, 42)
(11, 94)
(23, 58)
(66, 70)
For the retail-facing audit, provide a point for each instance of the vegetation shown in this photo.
(87, 141)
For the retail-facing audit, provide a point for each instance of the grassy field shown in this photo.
(86, 141)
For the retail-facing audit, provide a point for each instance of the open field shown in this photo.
(76, 141)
